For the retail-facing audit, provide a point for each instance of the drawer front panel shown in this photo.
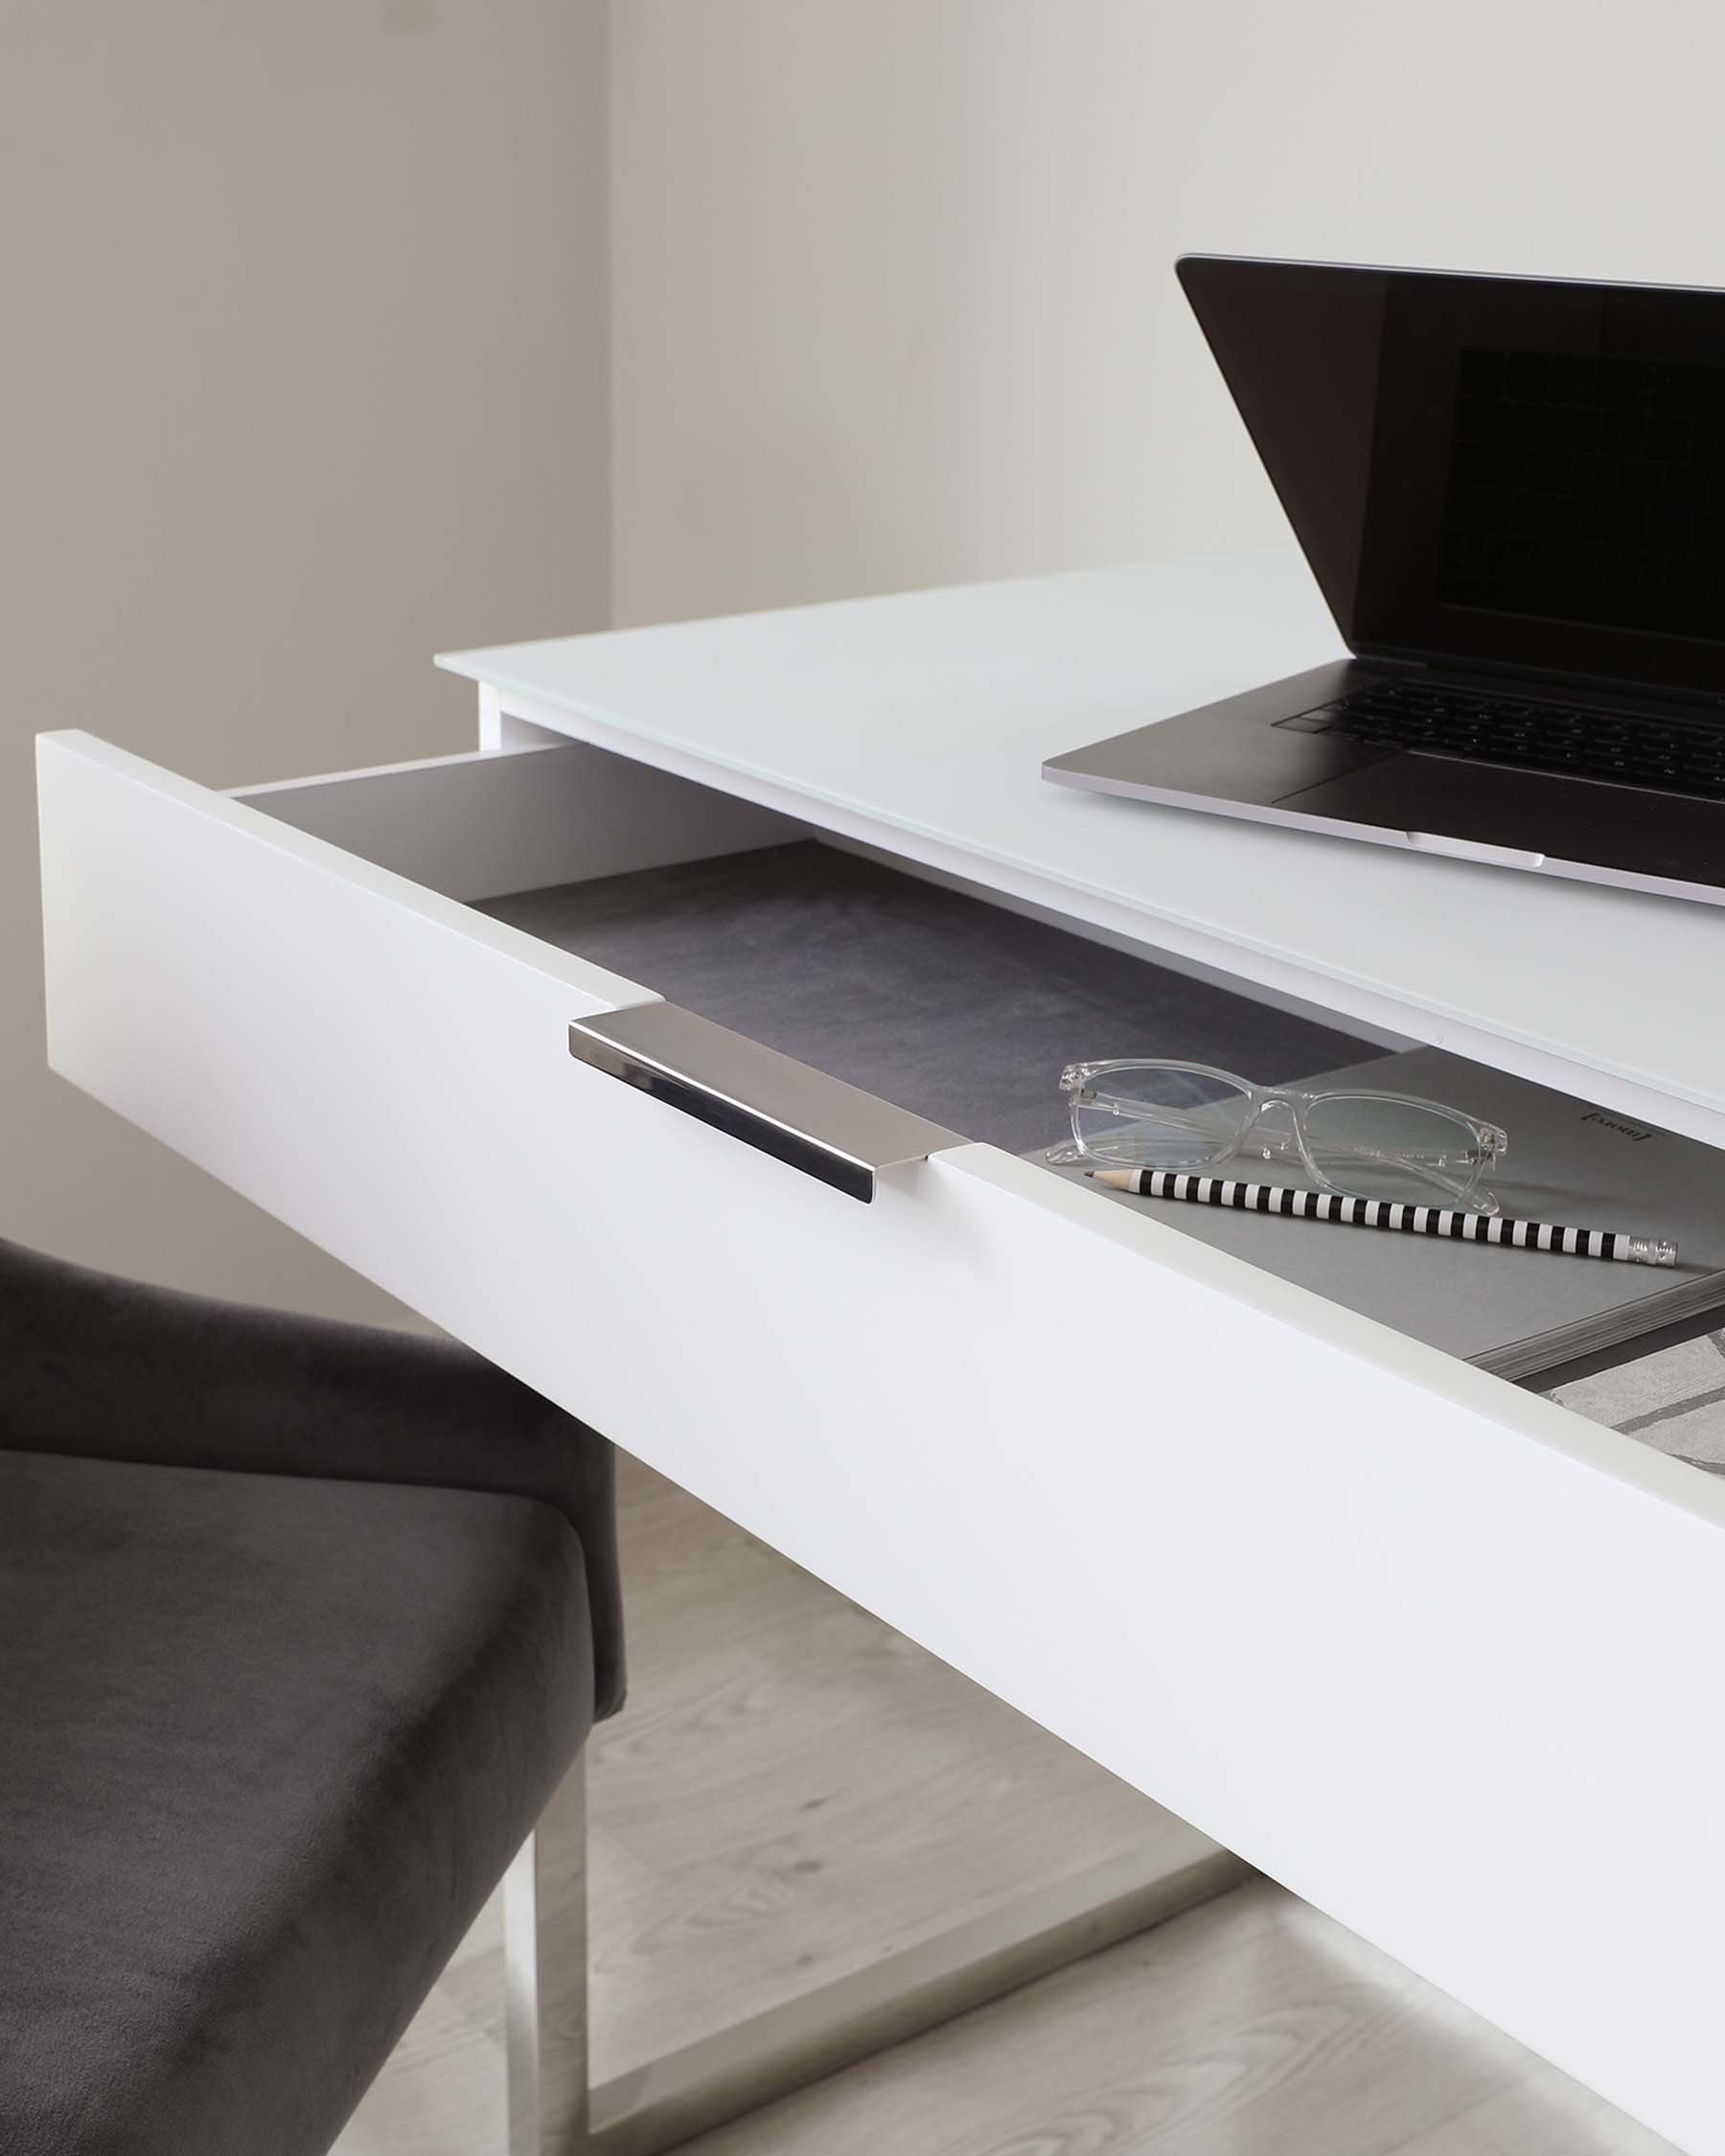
(1430, 1650)
(266, 1004)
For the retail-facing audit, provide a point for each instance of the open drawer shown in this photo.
(1430, 1650)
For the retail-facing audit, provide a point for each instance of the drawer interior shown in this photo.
(965, 1013)
(937, 1002)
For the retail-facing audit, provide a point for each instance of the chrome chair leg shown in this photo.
(545, 1979)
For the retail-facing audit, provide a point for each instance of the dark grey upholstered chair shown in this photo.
(301, 1624)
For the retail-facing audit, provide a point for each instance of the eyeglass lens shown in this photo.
(1140, 1116)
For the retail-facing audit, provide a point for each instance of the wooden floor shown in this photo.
(795, 1790)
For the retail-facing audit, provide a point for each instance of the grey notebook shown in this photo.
(1517, 1312)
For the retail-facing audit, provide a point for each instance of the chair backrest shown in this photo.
(112, 1368)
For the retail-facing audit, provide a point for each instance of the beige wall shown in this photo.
(892, 287)
(304, 378)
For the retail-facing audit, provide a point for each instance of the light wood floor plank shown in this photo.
(1544, 2113)
(1250, 2026)
(1455, 2139)
(441, 2094)
(806, 1790)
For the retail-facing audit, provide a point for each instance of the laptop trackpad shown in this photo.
(1528, 812)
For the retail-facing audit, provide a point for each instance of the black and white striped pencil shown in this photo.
(1380, 1212)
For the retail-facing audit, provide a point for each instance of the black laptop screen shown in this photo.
(1587, 489)
(1499, 470)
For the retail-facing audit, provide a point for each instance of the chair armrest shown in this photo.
(111, 1368)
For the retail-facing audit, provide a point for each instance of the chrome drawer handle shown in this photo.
(831, 1130)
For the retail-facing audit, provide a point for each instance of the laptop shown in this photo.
(1511, 492)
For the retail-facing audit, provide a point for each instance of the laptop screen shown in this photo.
(1504, 471)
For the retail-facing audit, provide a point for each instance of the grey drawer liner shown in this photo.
(941, 1003)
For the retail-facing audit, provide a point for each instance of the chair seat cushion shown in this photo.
(265, 1745)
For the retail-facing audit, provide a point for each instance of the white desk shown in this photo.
(1446, 1655)
(919, 724)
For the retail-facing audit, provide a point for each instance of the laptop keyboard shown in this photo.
(1533, 735)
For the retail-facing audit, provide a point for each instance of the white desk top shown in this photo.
(919, 724)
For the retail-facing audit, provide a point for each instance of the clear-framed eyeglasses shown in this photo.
(1360, 1144)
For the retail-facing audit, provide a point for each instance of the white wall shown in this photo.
(892, 284)
(304, 378)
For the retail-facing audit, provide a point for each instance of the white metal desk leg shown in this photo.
(554, 2111)
(500, 729)
(491, 720)
(545, 1978)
